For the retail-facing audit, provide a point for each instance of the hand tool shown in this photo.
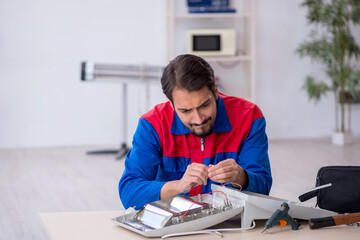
(340, 219)
(282, 216)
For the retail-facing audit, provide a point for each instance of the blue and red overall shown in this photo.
(163, 147)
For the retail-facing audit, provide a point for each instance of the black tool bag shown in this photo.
(343, 196)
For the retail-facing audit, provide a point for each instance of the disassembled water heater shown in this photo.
(184, 214)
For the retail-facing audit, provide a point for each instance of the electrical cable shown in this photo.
(227, 201)
(240, 187)
(187, 190)
(214, 232)
(211, 231)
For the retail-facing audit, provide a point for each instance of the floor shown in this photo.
(66, 179)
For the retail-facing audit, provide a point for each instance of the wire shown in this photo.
(187, 190)
(210, 231)
(201, 198)
(233, 184)
(191, 233)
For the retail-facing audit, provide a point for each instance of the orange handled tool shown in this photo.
(340, 219)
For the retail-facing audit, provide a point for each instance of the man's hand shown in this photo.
(195, 174)
(228, 171)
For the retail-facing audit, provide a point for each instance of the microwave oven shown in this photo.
(212, 42)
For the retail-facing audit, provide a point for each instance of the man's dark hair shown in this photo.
(187, 72)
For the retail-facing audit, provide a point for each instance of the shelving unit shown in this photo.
(236, 73)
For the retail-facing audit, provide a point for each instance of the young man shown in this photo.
(197, 138)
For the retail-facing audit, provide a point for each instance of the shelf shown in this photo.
(228, 59)
(210, 15)
(239, 79)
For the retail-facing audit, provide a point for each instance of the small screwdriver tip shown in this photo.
(263, 230)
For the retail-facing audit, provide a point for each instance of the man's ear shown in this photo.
(216, 91)
(172, 104)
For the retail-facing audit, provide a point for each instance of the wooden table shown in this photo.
(98, 225)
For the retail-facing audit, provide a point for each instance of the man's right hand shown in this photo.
(195, 174)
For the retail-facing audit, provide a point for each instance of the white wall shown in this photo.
(42, 100)
(281, 26)
(44, 103)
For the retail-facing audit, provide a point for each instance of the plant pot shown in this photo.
(341, 138)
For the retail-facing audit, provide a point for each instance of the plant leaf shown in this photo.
(315, 89)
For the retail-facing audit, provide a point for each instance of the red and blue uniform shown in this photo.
(163, 147)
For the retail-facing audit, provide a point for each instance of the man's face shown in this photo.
(196, 109)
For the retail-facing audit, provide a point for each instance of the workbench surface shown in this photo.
(98, 225)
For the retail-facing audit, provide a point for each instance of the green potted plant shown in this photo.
(332, 44)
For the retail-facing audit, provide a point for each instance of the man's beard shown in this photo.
(203, 133)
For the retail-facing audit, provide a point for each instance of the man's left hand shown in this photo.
(228, 171)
